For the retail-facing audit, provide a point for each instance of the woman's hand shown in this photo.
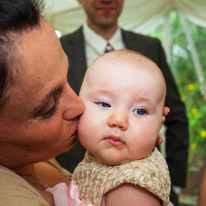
(166, 111)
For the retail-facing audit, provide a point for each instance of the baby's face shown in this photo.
(123, 112)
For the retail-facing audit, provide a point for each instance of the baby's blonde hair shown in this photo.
(130, 56)
(125, 56)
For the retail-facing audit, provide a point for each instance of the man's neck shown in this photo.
(105, 32)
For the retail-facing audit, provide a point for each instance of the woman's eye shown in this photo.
(103, 104)
(140, 111)
(49, 108)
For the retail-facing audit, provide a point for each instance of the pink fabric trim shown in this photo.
(67, 195)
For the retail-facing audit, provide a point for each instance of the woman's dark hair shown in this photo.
(16, 17)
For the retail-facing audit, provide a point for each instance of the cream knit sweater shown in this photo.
(95, 178)
(15, 191)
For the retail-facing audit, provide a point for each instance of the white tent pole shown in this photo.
(166, 45)
(195, 58)
(167, 39)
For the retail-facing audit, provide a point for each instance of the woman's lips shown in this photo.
(74, 135)
(115, 141)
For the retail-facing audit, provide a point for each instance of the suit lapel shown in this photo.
(77, 69)
(78, 52)
(128, 40)
(134, 41)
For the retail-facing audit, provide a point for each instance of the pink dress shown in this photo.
(67, 195)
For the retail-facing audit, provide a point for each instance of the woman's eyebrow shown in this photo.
(45, 98)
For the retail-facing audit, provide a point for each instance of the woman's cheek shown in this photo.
(53, 130)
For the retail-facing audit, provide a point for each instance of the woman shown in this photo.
(38, 109)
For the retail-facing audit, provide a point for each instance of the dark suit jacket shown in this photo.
(176, 122)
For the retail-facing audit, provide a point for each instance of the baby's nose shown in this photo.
(119, 120)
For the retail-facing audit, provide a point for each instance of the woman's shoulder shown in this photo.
(16, 191)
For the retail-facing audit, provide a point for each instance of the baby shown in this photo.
(124, 95)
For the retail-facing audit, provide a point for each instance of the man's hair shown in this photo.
(16, 18)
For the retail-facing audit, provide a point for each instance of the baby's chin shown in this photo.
(117, 160)
(112, 156)
(112, 160)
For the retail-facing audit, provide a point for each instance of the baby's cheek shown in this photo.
(82, 132)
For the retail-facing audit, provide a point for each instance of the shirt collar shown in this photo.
(98, 42)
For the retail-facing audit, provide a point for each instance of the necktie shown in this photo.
(108, 48)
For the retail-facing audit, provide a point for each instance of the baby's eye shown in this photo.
(140, 111)
(103, 104)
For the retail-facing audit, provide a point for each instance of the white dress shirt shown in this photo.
(95, 44)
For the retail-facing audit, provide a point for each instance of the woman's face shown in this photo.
(40, 118)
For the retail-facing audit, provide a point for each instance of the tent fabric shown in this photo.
(137, 15)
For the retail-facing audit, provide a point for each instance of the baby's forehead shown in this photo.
(124, 59)
(129, 63)
(122, 71)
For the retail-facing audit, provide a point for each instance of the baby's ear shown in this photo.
(159, 141)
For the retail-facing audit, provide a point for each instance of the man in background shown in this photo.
(101, 34)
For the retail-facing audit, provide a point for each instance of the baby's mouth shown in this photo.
(114, 140)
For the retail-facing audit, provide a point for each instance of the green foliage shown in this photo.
(189, 86)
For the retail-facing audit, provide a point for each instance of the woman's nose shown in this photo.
(75, 106)
(119, 120)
